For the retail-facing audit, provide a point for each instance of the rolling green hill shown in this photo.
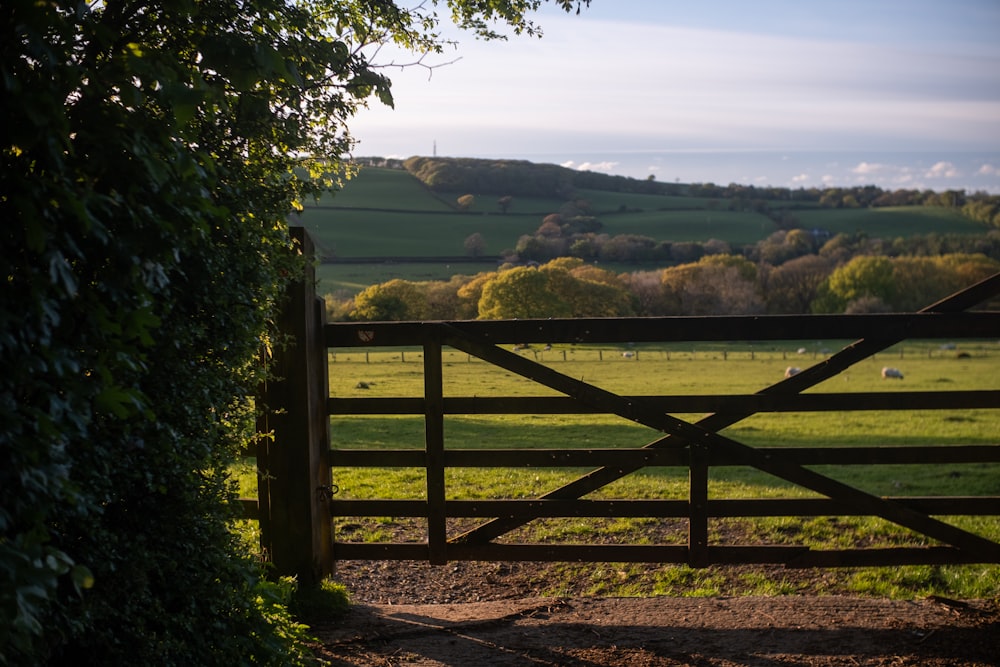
(391, 214)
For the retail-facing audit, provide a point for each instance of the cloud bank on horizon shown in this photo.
(868, 77)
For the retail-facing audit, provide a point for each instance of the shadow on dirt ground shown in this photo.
(613, 632)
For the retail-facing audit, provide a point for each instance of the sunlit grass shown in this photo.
(680, 369)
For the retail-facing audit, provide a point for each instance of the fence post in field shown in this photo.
(292, 465)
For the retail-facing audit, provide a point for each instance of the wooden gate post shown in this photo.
(292, 464)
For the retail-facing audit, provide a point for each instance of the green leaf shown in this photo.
(82, 577)
(116, 400)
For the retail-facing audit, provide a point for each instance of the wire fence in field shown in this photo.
(548, 354)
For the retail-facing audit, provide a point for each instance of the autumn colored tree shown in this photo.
(715, 285)
(587, 298)
(522, 292)
(793, 286)
(394, 300)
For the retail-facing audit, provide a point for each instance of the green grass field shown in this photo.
(371, 233)
(393, 189)
(736, 228)
(687, 369)
(889, 222)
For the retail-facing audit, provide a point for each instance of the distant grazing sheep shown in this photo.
(792, 370)
(628, 355)
(892, 373)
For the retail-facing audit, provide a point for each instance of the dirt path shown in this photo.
(612, 632)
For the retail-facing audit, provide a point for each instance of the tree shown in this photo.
(394, 300)
(474, 245)
(154, 151)
(504, 203)
(470, 293)
(793, 286)
(586, 298)
(861, 277)
(465, 202)
(521, 292)
(923, 280)
(716, 285)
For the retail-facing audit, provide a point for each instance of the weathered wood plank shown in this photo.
(249, 508)
(434, 436)
(673, 329)
(689, 403)
(297, 539)
(698, 505)
(623, 458)
(805, 507)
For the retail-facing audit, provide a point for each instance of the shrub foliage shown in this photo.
(154, 151)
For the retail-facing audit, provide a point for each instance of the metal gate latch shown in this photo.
(324, 493)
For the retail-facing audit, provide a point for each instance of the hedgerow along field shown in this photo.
(685, 369)
(388, 213)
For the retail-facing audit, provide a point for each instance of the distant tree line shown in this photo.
(528, 179)
(787, 273)
(575, 232)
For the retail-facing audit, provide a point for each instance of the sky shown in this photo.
(654, 87)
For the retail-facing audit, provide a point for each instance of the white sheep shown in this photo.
(792, 370)
(893, 373)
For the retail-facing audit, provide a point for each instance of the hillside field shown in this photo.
(388, 213)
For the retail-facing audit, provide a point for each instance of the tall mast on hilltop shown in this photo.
(435, 153)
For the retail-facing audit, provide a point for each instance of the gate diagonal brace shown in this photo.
(680, 432)
(647, 414)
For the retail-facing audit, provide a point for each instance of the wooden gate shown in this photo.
(303, 426)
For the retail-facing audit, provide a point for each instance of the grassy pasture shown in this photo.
(735, 227)
(538, 207)
(889, 222)
(607, 202)
(683, 369)
(371, 233)
(393, 189)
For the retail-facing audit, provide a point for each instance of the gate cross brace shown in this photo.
(703, 432)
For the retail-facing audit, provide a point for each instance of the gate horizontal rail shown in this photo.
(887, 327)
(553, 405)
(951, 505)
(628, 457)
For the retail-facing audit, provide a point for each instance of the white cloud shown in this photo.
(606, 166)
(943, 170)
(865, 168)
(988, 170)
(800, 178)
